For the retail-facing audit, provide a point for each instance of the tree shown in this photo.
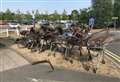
(1, 16)
(8, 15)
(28, 15)
(55, 16)
(64, 15)
(18, 15)
(75, 15)
(102, 11)
(37, 15)
(116, 8)
(84, 15)
(46, 17)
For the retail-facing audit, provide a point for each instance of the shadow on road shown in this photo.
(2, 45)
(6, 42)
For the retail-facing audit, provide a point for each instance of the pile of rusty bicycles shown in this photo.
(65, 41)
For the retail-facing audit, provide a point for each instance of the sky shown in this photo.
(44, 5)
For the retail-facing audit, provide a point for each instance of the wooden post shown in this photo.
(7, 31)
(26, 28)
(17, 31)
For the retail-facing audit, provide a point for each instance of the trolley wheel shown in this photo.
(94, 70)
(103, 61)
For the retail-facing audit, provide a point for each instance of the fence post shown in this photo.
(17, 31)
(26, 28)
(7, 31)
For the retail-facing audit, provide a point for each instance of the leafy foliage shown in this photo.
(102, 11)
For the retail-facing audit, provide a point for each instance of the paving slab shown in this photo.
(10, 59)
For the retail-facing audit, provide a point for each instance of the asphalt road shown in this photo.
(42, 73)
(114, 47)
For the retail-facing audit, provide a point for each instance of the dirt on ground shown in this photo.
(107, 69)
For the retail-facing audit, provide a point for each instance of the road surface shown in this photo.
(114, 47)
(42, 73)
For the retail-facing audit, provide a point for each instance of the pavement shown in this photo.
(10, 59)
(43, 73)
